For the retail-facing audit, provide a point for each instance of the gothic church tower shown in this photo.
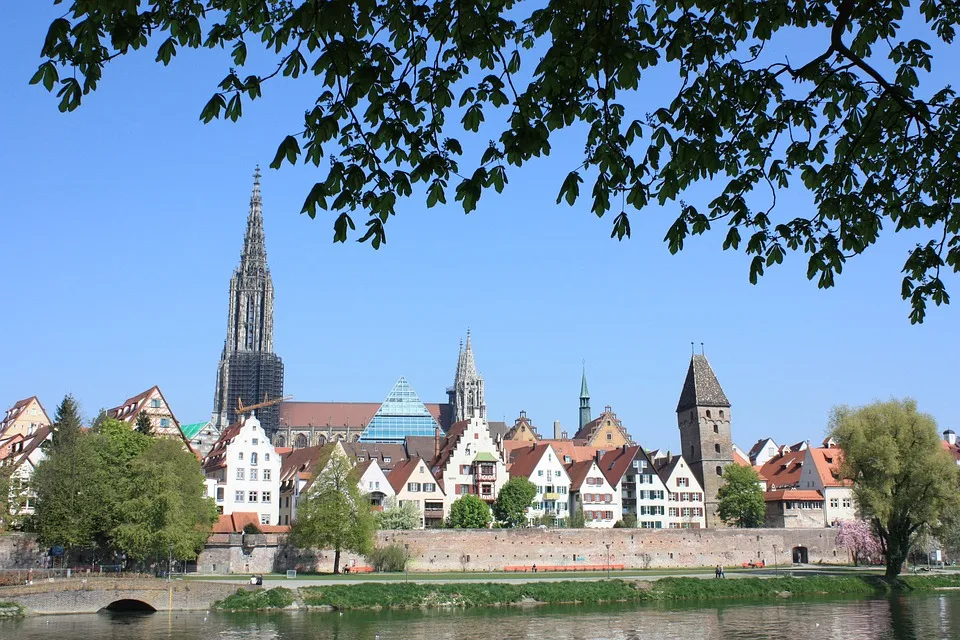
(466, 394)
(249, 369)
(703, 415)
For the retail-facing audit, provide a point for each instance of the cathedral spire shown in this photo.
(254, 247)
(466, 394)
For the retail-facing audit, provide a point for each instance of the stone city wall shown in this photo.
(494, 549)
(20, 551)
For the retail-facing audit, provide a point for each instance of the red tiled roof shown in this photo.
(952, 449)
(578, 472)
(303, 462)
(792, 494)
(343, 414)
(563, 448)
(828, 463)
(402, 472)
(740, 460)
(217, 458)
(783, 471)
(387, 454)
(13, 413)
(236, 521)
(615, 463)
(525, 459)
(30, 444)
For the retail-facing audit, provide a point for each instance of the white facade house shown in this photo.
(22, 453)
(373, 481)
(470, 462)
(821, 472)
(543, 466)
(762, 451)
(685, 502)
(412, 482)
(592, 491)
(643, 494)
(245, 470)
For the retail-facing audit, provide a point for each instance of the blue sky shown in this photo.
(121, 224)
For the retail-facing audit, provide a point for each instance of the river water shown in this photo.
(922, 617)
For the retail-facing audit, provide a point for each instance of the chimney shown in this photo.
(436, 443)
(950, 437)
(557, 430)
(598, 455)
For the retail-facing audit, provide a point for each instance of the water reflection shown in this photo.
(900, 618)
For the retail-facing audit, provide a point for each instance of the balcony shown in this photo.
(432, 513)
(552, 496)
(485, 472)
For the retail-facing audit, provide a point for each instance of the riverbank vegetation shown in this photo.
(10, 610)
(259, 600)
(406, 595)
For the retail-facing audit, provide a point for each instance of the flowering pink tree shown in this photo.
(857, 536)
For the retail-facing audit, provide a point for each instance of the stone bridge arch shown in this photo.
(91, 595)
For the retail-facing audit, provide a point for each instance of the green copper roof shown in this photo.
(191, 430)
(584, 392)
(485, 456)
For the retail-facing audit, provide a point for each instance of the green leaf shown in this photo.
(570, 189)
(289, 149)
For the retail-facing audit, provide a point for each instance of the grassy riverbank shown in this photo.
(10, 610)
(473, 594)
(259, 600)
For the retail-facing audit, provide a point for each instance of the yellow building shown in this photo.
(522, 430)
(606, 432)
(24, 418)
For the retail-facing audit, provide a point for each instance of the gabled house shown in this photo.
(25, 417)
(685, 500)
(541, 465)
(522, 430)
(373, 482)
(606, 432)
(412, 481)
(788, 505)
(243, 472)
(821, 472)
(201, 436)
(21, 455)
(949, 443)
(642, 493)
(470, 462)
(156, 407)
(298, 467)
(762, 451)
(591, 491)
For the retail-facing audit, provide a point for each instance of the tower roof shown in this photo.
(254, 246)
(584, 392)
(466, 366)
(701, 388)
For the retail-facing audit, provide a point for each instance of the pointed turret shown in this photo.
(701, 387)
(584, 399)
(466, 394)
(254, 247)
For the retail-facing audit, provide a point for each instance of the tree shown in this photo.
(334, 513)
(516, 496)
(751, 115)
(469, 512)
(858, 538)
(399, 516)
(578, 520)
(144, 425)
(903, 478)
(740, 497)
(165, 511)
(67, 425)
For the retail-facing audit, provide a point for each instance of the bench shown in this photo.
(754, 565)
(358, 570)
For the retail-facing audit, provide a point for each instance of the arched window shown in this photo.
(253, 457)
(708, 413)
(300, 441)
(322, 440)
(716, 448)
(716, 429)
(719, 470)
(721, 414)
(280, 441)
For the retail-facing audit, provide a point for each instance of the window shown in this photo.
(253, 458)
(716, 429)
(240, 456)
(265, 517)
(427, 486)
(155, 403)
(252, 496)
(465, 470)
(540, 472)
(266, 457)
(164, 422)
(387, 459)
(266, 474)
(719, 470)
(413, 487)
(253, 474)
(219, 494)
(265, 496)
(476, 436)
(834, 503)
(708, 414)
(556, 474)
(691, 451)
(255, 441)
(609, 436)
(240, 474)
(683, 482)
(716, 447)
(721, 414)
(847, 503)
(238, 496)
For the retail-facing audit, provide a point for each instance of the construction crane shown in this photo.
(266, 403)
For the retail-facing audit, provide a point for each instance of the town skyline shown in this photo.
(127, 283)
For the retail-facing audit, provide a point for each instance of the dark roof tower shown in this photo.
(584, 399)
(701, 388)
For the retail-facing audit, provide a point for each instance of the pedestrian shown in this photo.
(722, 575)
(716, 572)
(534, 568)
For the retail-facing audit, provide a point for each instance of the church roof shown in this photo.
(701, 388)
(355, 415)
(584, 392)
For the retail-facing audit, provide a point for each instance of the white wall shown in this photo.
(250, 455)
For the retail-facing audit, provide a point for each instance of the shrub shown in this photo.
(392, 557)
(251, 528)
(243, 600)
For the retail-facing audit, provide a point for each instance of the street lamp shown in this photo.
(607, 544)
(776, 569)
(170, 563)
(406, 562)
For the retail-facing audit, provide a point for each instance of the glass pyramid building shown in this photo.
(401, 415)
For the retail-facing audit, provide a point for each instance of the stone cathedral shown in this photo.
(249, 369)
